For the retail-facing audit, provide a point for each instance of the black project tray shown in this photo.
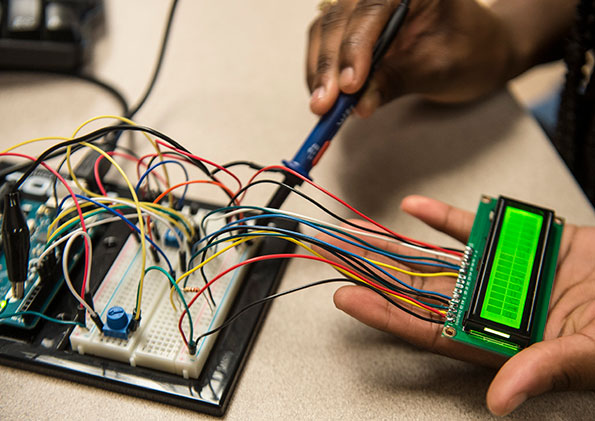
(47, 349)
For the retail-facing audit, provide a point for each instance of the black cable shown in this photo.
(75, 149)
(326, 210)
(313, 284)
(346, 258)
(194, 162)
(98, 134)
(157, 69)
(112, 140)
(249, 164)
(55, 182)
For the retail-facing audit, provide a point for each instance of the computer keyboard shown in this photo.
(53, 35)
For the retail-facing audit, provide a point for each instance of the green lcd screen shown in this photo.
(509, 279)
(501, 298)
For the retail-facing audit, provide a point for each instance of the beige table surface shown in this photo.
(232, 87)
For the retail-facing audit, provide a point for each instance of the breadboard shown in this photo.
(157, 343)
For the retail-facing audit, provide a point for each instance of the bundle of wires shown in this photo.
(151, 206)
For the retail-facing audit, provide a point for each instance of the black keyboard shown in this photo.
(54, 35)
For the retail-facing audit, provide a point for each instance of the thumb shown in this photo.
(557, 364)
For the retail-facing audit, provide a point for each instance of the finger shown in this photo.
(365, 25)
(325, 81)
(369, 101)
(371, 309)
(562, 363)
(312, 53)
(445, 218)
(375, 241)
(441, 284)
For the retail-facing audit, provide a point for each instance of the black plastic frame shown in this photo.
(473, 319)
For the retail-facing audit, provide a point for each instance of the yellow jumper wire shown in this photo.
(309, 249)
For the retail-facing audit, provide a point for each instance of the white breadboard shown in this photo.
(157, 342)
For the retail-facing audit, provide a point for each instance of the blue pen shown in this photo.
(320, 137)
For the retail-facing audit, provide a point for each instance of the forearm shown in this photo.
(536, 28)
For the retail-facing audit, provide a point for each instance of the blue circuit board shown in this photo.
(37, 295)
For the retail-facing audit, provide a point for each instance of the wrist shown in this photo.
(534, 31)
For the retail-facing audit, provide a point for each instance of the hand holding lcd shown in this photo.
(563, 360)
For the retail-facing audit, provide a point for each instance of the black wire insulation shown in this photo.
(249, 164)
(231, 319)
(98, 134)
(346, 258)
(324, 209)
(158, 66)
(74, 150)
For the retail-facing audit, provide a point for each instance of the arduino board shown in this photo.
(44, 280)
(501, 297)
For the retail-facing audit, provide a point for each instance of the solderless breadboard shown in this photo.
(157, 342)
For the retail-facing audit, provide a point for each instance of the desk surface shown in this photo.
(232, 87)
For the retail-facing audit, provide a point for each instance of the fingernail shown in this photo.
(318, 94)
(411, 202)
(346, 76)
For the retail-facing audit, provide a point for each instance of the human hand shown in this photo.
(452, 51)
(563, 360)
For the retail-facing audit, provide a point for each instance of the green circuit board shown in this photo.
(501, 297)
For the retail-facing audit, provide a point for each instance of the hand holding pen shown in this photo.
(448, 50)
(321, 135)
(453, 51)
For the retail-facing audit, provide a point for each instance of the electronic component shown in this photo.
(42, 279)
(183, 348)
(117, 323)
(501, 297)
(210, 375)
(157, 343)
(48, 34)
(171, 238)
